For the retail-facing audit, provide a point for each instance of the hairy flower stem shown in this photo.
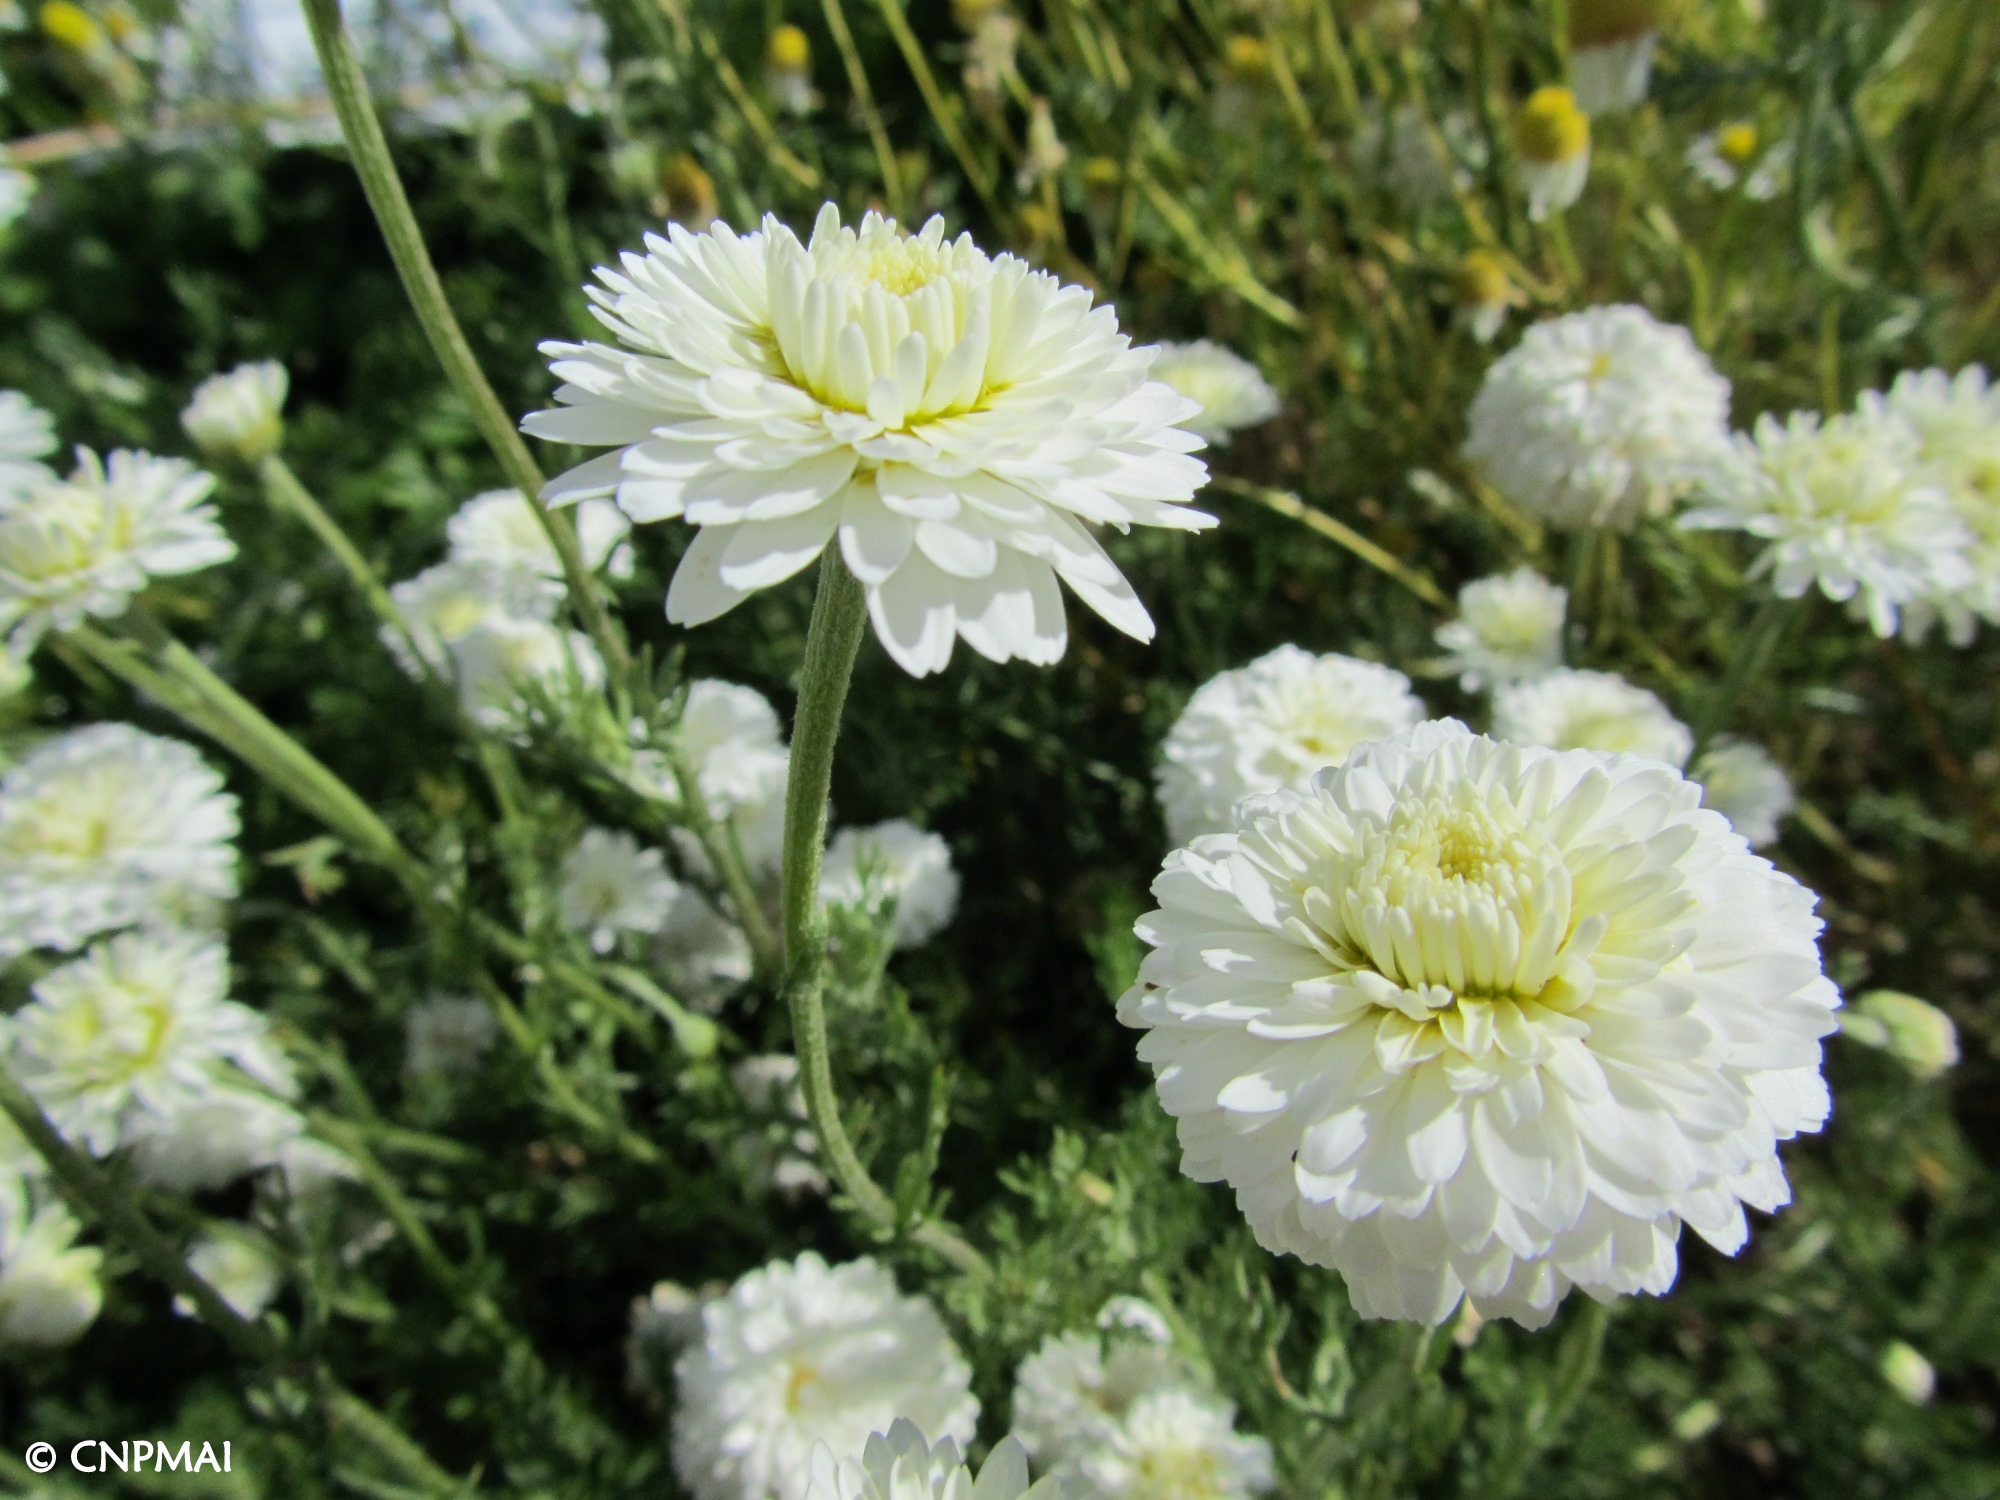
(833, 639)
(91, 1192)
(347, 87)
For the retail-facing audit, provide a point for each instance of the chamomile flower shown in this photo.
(801, 1353)
(118, 1042)
(956, 420)
(105, 826)
(444, 604)
(1571, 710)
(1552, 150)
(1742, 782)
(894, 862)
(1177, 1444)
(1847, 506)
(500, 662)
(1509, 626)
(1273, 723)
(1440, 1018)
(1232, 392)
(1611, 52)
(498, 529)
(1598, 418)
(1737, 155)
(83, 546)
(610, 885)
(731, 739)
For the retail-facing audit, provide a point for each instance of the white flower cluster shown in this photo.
(800, 1354)
(1598, 418)
(955, 420)
(485, 617)
(1437, 1020)
(1119, 1415)
(80, 547)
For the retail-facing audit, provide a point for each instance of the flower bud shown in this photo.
(1915, 1033)
(1909, 1374)
(239, 417)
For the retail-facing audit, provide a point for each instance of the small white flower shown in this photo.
(1074, 1390)
(444, 604)
(499, 529)
(1908, 1373)
(1598, 418)
(701, 954)
(895, 862)
(498, 661)
(1270, 724)
(242, 1267)
(788, 69)
(1552, 150)
(1611, 52)
(49, 1292)
(1736, 154)
(1956, 419)
(105, 826)
(1509, 626)
(1178, 1444)
(1441, 1021)
(610, 885)
(955, 420)
(1231, 391)
(17, 191)
(27, 435)
(447, 1036)
(210, 1143)
(1571, 710)
(800, 1353)
(730, 736)
(1914, 1032)
(117, 1043)
(1742, 782)
(902, 1466)
(1848, 506)
(84, 546)
(239, 417)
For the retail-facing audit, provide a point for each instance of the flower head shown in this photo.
(1742, 782)
(230, 1132)
(1849, 506)
(1076, 1388)
(702, 955)
(1956, 420)
(895, 862)
(444, 604)
(1470, 1018)
(954, 418)
(1738, 154)
(49, 1292)
(118, 1042)
(27, 435)
(1178, 1444)
(85, 545)
(1914, 1032)
(776, 1153)
(732, 742)
(1273, 723)
(1599, 417)
(106, 826)
(900, 1465)
(497, 529)
(610, 885)
(239, 417)
(1509, 626)
(1611, 52)
(1231, 391)
(1570, 710)
(241, 1265)
(500, 661)
(1483, 293)
(802, 1353)
(1552, 146)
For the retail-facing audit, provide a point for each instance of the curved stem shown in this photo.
(833, 639)
(864, 101)
(347, 87)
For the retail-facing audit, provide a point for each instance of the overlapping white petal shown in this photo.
(1572, 710)
(893, 862)
(1271, 724)
(900, 1465)
(1598, 418)
(610, 885)
(1231, 392)
(1470, 1018)
(49, 1289)
(239, 415)
(956, 421)
(27, 436)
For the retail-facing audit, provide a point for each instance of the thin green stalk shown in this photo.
(1287, 504)
(347, 87)
(833, 639)
(1902, 242)
(1758, 643)
(1497, 155)
(161, 667)
(947, 122)
(1576, 1366)
(864, 101)
(725, 856)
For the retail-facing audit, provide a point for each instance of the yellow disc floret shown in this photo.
(789, 51)
(1550, 129)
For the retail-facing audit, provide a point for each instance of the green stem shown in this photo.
(725, 856)
(1753, 656)
(1576, 1367)
(1902, 242)
(947, 122)
(161, 667)
(864, 103)
(347, 87)
(833, 639)
(1287, 504)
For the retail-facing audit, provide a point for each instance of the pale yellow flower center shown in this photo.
(1736, 144)
(1179, 1474)
(800, 1379)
